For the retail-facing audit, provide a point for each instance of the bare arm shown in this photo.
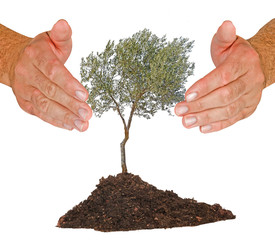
(11, 44)
(264, 44)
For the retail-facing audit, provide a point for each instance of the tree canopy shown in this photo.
(143, 69)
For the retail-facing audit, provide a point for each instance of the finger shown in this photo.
(54, 92)
(210, 116)
(222, 40)
(50, 108)
(217, 98)
(61, 38)
(226, 73)
(29, 108)
(217, 126)
(60, 124)
(213, 115)
(46, 62)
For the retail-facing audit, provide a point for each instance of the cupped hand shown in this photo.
(44, 87)
(230, 92)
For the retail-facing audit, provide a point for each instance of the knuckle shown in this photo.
(206, 118)
(72, 103)
(40, 82)
(67, 118)
(52, 68)
(225, 76)
(29, 108)
(241, 87)
(68, 85)
(41, 60)
(41, 102)
(26, 106)
(30, 51)
(226, 95)
(50, 90)
(199, 106)
(203, 84)
(38, 79)
(230, 110)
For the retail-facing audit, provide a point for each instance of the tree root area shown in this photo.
(125, 202)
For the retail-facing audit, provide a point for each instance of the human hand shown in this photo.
(44, 87)
(230, 92)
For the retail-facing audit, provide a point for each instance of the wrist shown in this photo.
(261, 58)
(11, 46)
(263, 43)
(14, 58)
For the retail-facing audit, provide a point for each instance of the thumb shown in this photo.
(222, 41)
(61, 38)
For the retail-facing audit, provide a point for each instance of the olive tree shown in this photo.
(142, 73)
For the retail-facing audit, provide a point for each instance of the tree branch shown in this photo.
(119, 112)
(133, 110)
(131, 115)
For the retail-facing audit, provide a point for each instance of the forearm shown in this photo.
(264, 43)
(11, 45)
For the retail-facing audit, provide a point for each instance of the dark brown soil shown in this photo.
(125, 202)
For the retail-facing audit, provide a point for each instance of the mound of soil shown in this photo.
(125, 202)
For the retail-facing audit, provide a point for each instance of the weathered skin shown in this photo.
(34, 69)
(233, 90)
(264, 43)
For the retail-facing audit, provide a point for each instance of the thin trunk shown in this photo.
(123, 143)
(126, 131)
(122, 150)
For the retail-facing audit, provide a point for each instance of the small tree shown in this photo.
(144, 72)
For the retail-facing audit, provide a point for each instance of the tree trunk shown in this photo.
(122, 150)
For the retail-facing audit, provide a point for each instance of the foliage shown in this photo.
(144, 72)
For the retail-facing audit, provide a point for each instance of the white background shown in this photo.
(45, 171)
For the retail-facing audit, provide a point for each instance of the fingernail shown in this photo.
(79, 124)
(180, 110)
(83, 113)
(191, 96)
(206, 128)
(68, 127)
(81, 95)
(190, 121)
